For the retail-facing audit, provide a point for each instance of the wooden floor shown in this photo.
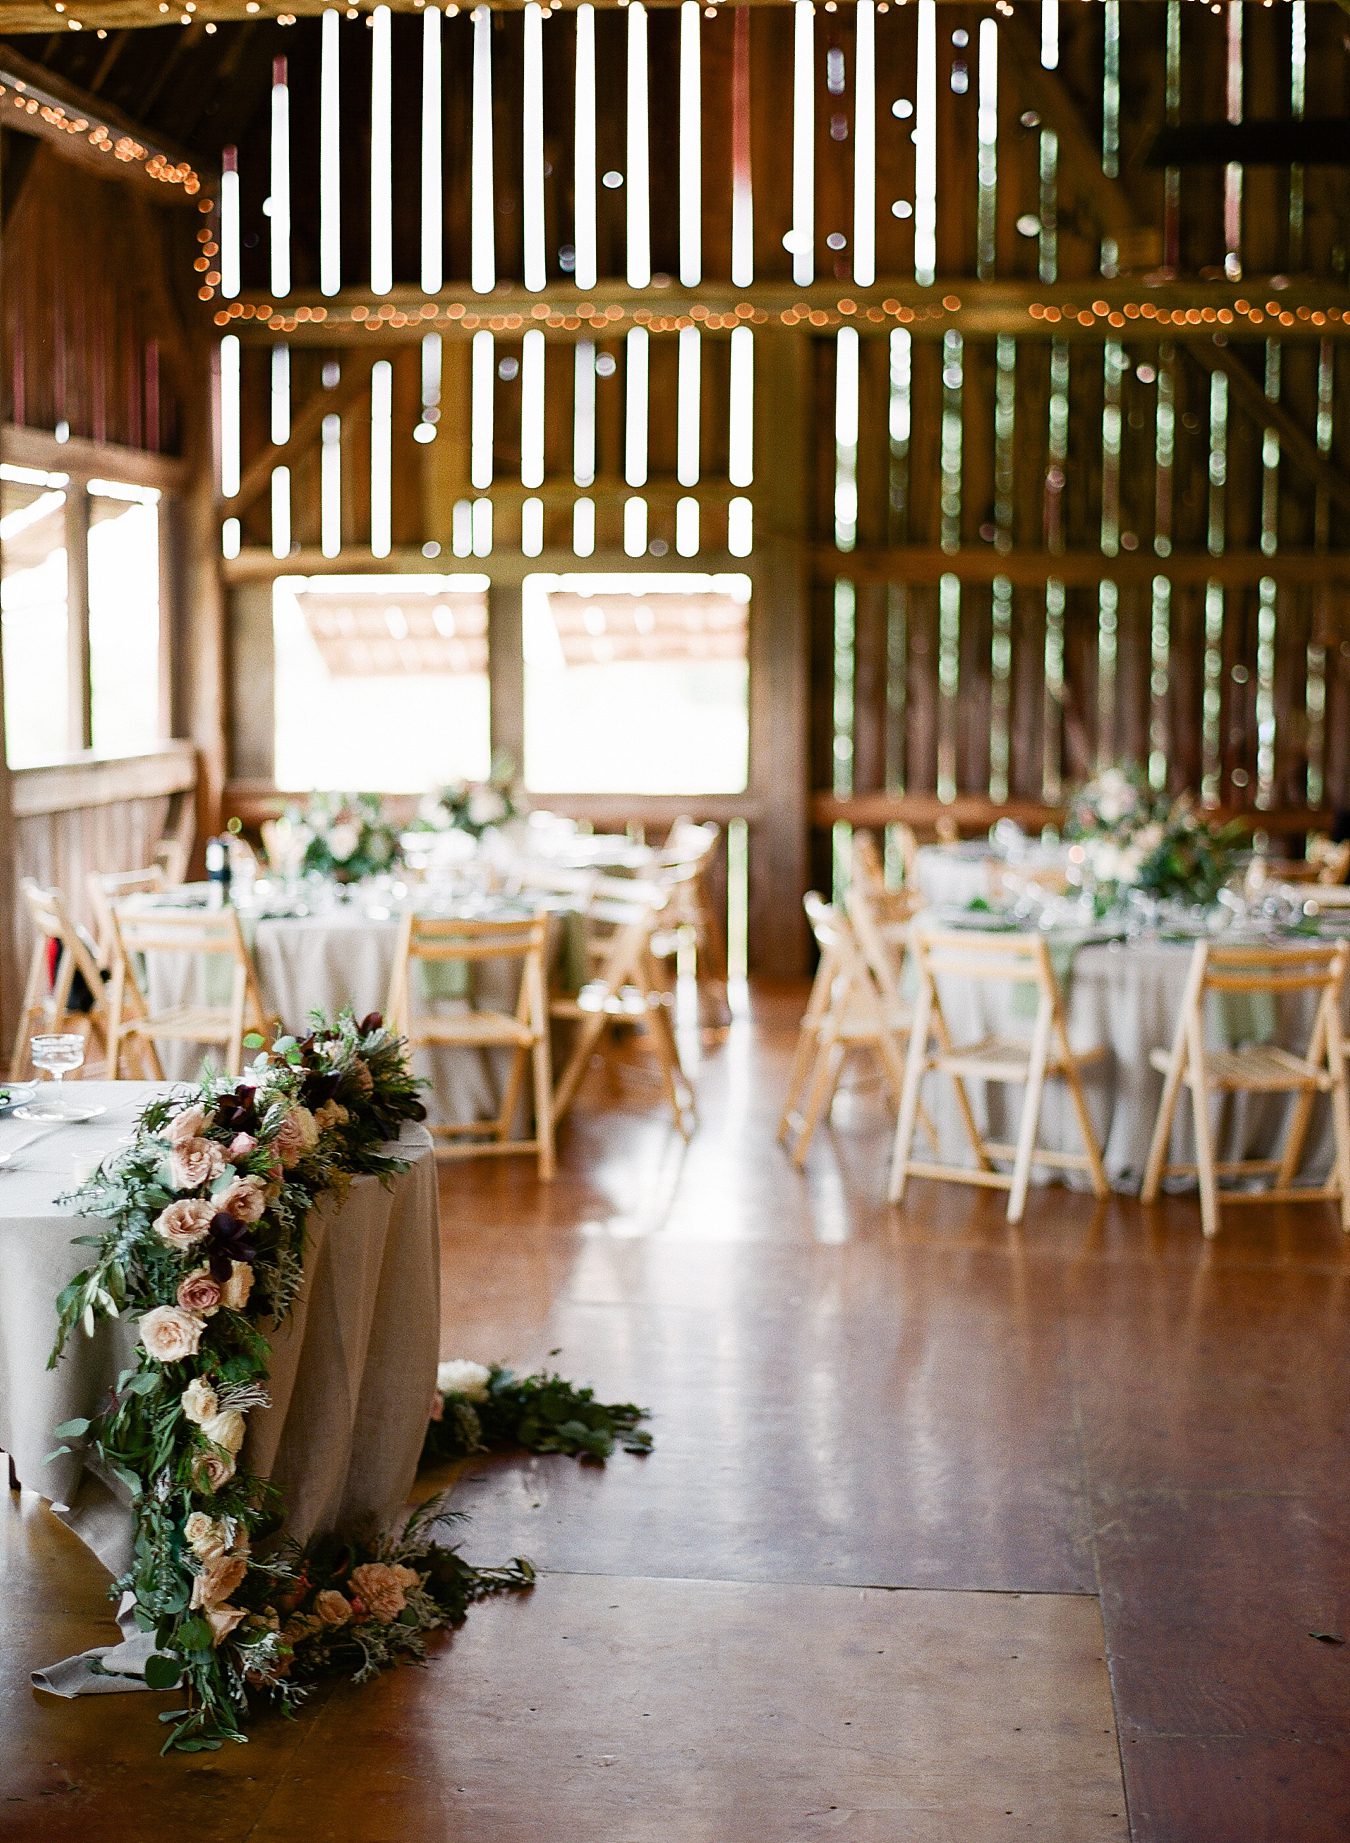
(952, 1531)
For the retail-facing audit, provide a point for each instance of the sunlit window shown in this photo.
(381, 681)
(636, 683)
(124, 617)
(33, 598)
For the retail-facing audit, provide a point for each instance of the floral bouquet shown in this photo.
(474, 807)
(345, 836)
(1136, 838)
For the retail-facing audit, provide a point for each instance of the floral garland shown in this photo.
(206, 1215)
(481, 1409)
(1135, 837)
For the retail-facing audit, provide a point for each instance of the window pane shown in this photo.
(33, 597)
(381, 681)
(124, 629)
(636, 684)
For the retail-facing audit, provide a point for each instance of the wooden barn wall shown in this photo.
(92, 330)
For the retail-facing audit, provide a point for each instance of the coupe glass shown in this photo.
(56, 1054)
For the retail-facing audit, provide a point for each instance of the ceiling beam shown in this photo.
(1092, 310)
(41, 15)
(79, 127)
(927, 563)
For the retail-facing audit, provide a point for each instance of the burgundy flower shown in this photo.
(373, 1020)
(238, 1112)
(228, 1240)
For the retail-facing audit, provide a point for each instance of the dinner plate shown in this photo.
(71, 1116)
(13, 1094)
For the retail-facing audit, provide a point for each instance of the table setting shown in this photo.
(1143, 879)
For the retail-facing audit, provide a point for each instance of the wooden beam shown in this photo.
(36, 100)
(79, 703)
(973, 814)
(86, 460)
(102, 780)
(927, 563)
(23, 16)
(506, 671)
(1251, 397)
(257, 564)
(1094, 310)
(350, 390)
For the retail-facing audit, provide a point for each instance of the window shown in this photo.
(33, 597)
(124, 618)
(636, 683)
(381, 681)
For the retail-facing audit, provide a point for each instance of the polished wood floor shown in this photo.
(952, 1531)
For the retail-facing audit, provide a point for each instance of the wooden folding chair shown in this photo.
(1008, 960)
(214, 941)
(1256, 1069)
(892, 909)
(107, 888)
(691, 919)
(441, 940)
(46, 1000)
(854, 1005)
(625, 989)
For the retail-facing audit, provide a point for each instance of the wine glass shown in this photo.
(57, 1053)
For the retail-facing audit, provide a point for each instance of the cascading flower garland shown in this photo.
(206, 1214)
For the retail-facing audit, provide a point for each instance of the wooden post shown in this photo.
(506, 671)
(79, 701)
(9, 955)
(200, 624)
(779, 639)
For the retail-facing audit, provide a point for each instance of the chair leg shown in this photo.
(1031, 1118)
(543, 1099)
(1204, 1135)
(511, 1093)
(1156, 1165)
(907, 1119)
(668, 1056)
(820, 1095)
(589, 1032)
(1303, 1107)
(1096, 1169)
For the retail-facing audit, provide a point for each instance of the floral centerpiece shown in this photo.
(344, 836)
(205, 1217)
(1135, 837)
(474, 807)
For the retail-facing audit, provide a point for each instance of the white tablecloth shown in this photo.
(353, 1368)
(1127, 996)
(955, 875)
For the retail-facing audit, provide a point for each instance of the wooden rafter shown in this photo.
(1294, 442)
(35, 100)
(920, 563)
(305, 425)
(42, 16)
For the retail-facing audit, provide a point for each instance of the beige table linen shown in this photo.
(353, 1369)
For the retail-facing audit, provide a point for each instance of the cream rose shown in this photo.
(297, 1135)
(198, 1292)
(189, 1124)
(212, 1470)
(379, 1590)
(331, 1114)
(170, 1334)
(226, 1429)
(199, 1401)
(194, 1162)
(461, 1377)
(219, 1577)
(205, 1536)
(183, 1224)
(245, 1200)
(222, 1621)
(242, 1146)
(237, 1288)
(332, 1607)
(406, 1577)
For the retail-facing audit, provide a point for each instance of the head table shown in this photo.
(353, 1368)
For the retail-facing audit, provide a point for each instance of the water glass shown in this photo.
(57, 1053)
